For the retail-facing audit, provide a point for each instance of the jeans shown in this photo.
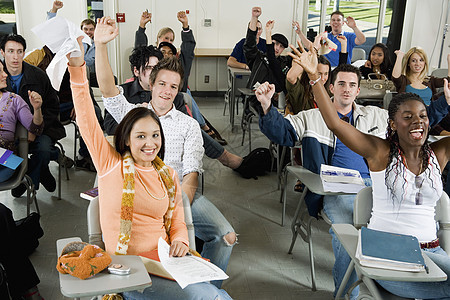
(211, 227)
(424, 290)
(42, 151)
(166, 289)
(196, 114)
(65, 110)
(212, 148)
(340, 211)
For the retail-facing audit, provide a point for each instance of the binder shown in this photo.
(385, 250)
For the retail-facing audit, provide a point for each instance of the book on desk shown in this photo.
(336, 179)
(385, 250)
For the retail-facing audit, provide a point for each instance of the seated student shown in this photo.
(22, 279)
(22, 79)
(183, 143)
(379, 62)
(136, 161)
(405, 171)
(354, 38)
(41, 58)
(237, 57)
(142, 60)
(319, 145)
(15, 109)
(164, 42)
(410, 74)
(277, 66)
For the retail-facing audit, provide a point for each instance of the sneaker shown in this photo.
(47, 180)
(18, 191)
(85, 164)
(65, 161)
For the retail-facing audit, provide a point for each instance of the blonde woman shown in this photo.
(410, 74)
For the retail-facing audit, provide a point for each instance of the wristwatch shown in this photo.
(313, 82)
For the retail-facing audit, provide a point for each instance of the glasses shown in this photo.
(345, 119)
(418, 181)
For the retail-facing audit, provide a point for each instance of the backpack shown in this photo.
(255, 164)
(28, 231)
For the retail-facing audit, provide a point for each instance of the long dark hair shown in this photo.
(123, 130)
(308, 97)
(395, 150)
(386, 65)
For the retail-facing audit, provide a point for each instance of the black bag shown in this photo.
(28, 231)
(255, 164)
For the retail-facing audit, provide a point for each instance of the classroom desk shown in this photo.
(103, 282)
(348, 236)
(212, 52)
(232, 74)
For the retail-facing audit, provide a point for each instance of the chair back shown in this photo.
(441, 73)
(387, 98)
(358, 54)
(362, 210)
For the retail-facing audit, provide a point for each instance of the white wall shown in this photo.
(30, 13)
(423, 26)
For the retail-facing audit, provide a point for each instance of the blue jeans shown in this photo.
(166, 289)
(211, 227)
(42, 151)
(196, 114)
(424, 290)
(340, 211)
(212, 148)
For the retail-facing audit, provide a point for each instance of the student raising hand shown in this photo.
(264, 95)
(308, 60)
(105, 31)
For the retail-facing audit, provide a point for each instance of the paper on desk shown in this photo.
(60, 36)
(335, 179)
(188, 269)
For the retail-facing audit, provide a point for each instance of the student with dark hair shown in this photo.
(184, 150)
(378, 62)
(406, 175)
(24, 78)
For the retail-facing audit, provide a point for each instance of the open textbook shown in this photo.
(184, 270)
(335, 179)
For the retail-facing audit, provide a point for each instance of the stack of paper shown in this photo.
(385, 250)
(335, 179)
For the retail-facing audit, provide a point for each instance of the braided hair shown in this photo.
(399, 168)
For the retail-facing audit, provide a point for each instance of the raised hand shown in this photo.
(105, 31)
(56, 5)
(181, 16)
(269, 25)
(447, 90)
(308, 60)
(368, 64)
(145, 18)
(256, 12)
(350, 22)
(77, 61)
(296, 27)
(264, 95)
(343, 40)
(35, 99)
(399, 53)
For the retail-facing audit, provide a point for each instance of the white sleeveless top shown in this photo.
(398, 212)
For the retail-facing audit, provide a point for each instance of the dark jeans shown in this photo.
(19, 270)
(42, 151)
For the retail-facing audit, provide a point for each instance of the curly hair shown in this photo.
(399, 168)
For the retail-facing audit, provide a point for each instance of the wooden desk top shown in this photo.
(212, 52)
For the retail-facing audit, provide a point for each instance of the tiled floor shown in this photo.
(259, 268)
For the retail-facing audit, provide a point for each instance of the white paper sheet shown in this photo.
(60, 36)
(188, 269)
(335, 179)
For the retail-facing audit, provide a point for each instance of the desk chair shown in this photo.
(249, 112)
(301, 223)
(370, 290)
(440, 72)
(76, 136)
(358, 54)
(20, 176)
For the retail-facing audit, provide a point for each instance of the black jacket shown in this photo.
(265, 67)
(34, 79)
